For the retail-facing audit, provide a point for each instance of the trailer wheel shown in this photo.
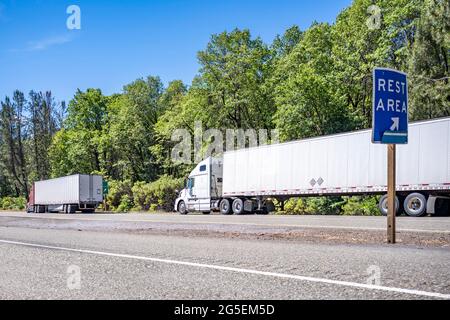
(225, 207)
(71, 209)
(383, 205)
(238, 206)
(415, 205)
(182, 207)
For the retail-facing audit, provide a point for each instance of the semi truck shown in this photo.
(69, 194)
(249, 180)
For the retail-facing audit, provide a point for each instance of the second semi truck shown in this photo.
(247, 180)
(69, 194)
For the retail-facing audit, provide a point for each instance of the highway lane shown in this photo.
(34, 265)
(424, 224)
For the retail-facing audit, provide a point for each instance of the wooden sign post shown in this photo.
(392, 210)
(390, 127)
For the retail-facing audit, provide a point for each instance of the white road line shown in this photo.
(236, 223)
(240, 270)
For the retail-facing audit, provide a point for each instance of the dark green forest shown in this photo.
(304, 83)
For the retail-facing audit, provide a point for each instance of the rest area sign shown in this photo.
(390, 106)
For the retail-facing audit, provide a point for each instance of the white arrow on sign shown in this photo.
(395, 125)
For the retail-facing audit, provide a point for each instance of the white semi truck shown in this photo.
(247, 180)
(69, 194)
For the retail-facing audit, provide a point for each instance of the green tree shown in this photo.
(171, 100)
(13, 134)
(429, 62)
(359, 46)
(42, 126)
(283, 45)
(233, 70)
(305, 89)
(75, 149)
(132, 118)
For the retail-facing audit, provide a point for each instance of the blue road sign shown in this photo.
(390, 106)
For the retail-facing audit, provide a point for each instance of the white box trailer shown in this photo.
(342, 164)
(69, 194)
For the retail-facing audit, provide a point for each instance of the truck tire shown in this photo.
(225, 207)
(383, 205)
(182, 208)
(415, 205)
(238, 206)
(71, 209)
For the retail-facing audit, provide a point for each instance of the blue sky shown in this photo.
(121, 41)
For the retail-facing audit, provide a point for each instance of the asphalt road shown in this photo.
(41, 256)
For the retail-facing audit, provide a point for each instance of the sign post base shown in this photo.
(392, 212)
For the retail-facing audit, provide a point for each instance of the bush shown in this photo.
(313, 206)
(117, 191)
(355, 206)
(294, 206)
(142, 196)
(157, 195)
(324, 205)
(361, 206)
(125, 204)
(10, 203)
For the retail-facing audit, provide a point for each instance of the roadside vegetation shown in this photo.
(160, 195)
(13, 203)
(356, 205)
(304, 83)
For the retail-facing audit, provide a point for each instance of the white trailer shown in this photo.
(68, 194)
(344, 164)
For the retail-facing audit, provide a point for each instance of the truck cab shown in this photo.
(203, 189)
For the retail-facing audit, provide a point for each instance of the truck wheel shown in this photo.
(182, 208)
(71, 209)
(225, 207)
(383, 205)
(415, 205)
(238, 206)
